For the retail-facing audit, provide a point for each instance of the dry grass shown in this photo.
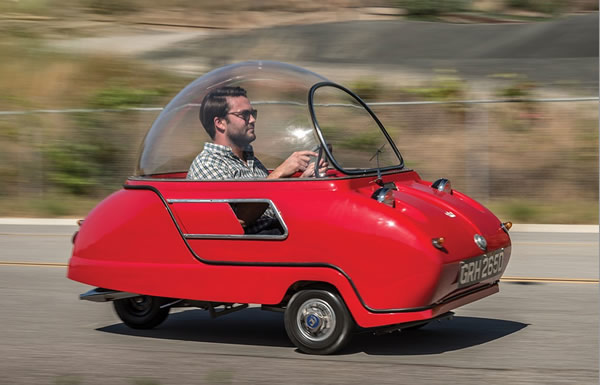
(34, 78)
(536, 211)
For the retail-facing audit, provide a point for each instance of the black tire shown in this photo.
(331, 327)
(142, 312)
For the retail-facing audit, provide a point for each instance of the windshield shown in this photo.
(358, 141)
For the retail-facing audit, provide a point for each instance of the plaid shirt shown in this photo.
(219, 162)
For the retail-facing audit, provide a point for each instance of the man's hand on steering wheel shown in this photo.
(310, 170)
(298, 161)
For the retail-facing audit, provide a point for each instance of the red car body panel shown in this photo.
(379, 258)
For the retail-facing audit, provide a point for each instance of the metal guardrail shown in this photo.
(475, 141)
(488, 101)
(79, 110)
(415, 103)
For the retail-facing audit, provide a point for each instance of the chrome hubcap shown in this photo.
(315, 319)
(140, 306)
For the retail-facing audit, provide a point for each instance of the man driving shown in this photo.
(229, 119)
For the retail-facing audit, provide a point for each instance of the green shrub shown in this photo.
(543, 6)
(442, 88)
(367, 88)
(90, 160)
(122, 97)
(35, 7)
(433, 7)
(363, 142)
(522, 212)
(73, 167)
(518, 90)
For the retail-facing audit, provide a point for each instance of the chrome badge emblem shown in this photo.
(480, 242)
(450, 214)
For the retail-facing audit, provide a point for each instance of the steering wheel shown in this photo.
(318, 161)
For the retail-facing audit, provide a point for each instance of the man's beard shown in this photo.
(242, 140)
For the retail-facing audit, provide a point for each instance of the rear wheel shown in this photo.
(142, 312)
(318, 322)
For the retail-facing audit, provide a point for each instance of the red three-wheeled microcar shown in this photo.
(366, 244)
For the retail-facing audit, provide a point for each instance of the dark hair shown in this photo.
(215, 104)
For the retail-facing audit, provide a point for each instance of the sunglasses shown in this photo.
(246, 114)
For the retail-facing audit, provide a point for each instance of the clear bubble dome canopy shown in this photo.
(281, 93)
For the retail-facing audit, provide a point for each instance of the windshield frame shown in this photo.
(330, 156)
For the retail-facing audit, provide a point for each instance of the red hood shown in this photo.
(452, 216)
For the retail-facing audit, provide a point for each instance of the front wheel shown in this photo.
(142, 312)
(318, 322)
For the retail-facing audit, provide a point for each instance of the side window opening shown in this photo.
(257, 218)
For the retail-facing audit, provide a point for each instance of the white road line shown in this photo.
(503, 279)
(517, 228)
(542, 228)
(40, 221)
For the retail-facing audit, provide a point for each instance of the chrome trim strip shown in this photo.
(244, 200)
(236, 236)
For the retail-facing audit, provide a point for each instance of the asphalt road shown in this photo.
(529, 333)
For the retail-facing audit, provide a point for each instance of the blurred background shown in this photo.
(499, 96)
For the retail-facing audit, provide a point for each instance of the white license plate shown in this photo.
(480, 268)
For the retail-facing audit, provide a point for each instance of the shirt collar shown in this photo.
(219, 149)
